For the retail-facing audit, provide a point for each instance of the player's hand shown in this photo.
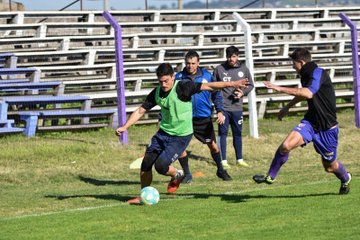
(220, 118)
(269, 84)
(241, 83)
(282, 113)
(120, 130)
(238, 93)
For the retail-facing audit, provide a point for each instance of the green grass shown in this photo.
(74, 186)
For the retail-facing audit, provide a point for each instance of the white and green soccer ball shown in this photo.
(149, 195)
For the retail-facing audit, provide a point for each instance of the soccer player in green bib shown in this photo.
(176, 129)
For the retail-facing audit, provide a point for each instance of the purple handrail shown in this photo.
(120, 86)
(355, 61)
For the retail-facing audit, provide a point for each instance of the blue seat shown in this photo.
(11, 130)
(28, 86)
(26, 100)
(33, 86)
(31, 118)
(15, 71)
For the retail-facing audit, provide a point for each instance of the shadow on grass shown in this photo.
(122, 198)
(244, 197)
(171, 196)
(98, 182)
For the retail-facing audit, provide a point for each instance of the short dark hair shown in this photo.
(164, 69)
(300, 54)
(192, 54)
(231, 50)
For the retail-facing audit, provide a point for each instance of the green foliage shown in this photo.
(73, 185)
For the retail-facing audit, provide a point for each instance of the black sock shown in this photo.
(217, 159)
(184, 162)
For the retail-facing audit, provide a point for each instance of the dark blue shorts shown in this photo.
(325, 142)
(169, 147)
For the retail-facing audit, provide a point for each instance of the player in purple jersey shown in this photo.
(319, 124)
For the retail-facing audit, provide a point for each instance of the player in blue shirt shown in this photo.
(319, 124)
(202, 103)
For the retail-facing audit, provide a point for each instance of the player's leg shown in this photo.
(299, 136)
(223, 132)
(293, 140)
(216, 156)
(184, 162)
(146, 168)
(151, 155)
(205, 133)
(236, 123)
(173, 147)
(325, 143)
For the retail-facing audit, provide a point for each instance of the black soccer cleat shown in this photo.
(223, 175)
(259, 178)
(345, 187)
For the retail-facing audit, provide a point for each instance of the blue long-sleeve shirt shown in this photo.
(202, 102)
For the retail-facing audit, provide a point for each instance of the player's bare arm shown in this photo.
(219, 85)
(134, 117)
(300, 92)
(283, 111)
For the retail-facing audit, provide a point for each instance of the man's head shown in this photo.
(192, 62)
(166, 76)
(300, 57)
(232, 55)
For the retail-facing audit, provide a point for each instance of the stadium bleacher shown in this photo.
(76, 49)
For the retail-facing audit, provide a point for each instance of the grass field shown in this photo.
(75, 186)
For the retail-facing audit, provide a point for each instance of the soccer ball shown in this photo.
(149, 195)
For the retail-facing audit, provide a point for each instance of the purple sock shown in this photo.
(341, 172)
(278, 160)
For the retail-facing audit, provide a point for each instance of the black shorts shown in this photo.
(204, 129)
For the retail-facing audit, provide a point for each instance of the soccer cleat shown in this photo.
(263, 179)
(175, 181)
(187, 179)
(223, 175)
(242, 163)
(225, 164)
(135, 200)
(345, 187)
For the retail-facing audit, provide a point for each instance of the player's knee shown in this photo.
(329, 167)
(161, 166)
(214, 148)
(328, 170)
(148, 161)
(285, 147)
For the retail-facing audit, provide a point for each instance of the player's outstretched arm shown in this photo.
(303, 92)
(219, 85)
(134, 117)
(283, 111)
